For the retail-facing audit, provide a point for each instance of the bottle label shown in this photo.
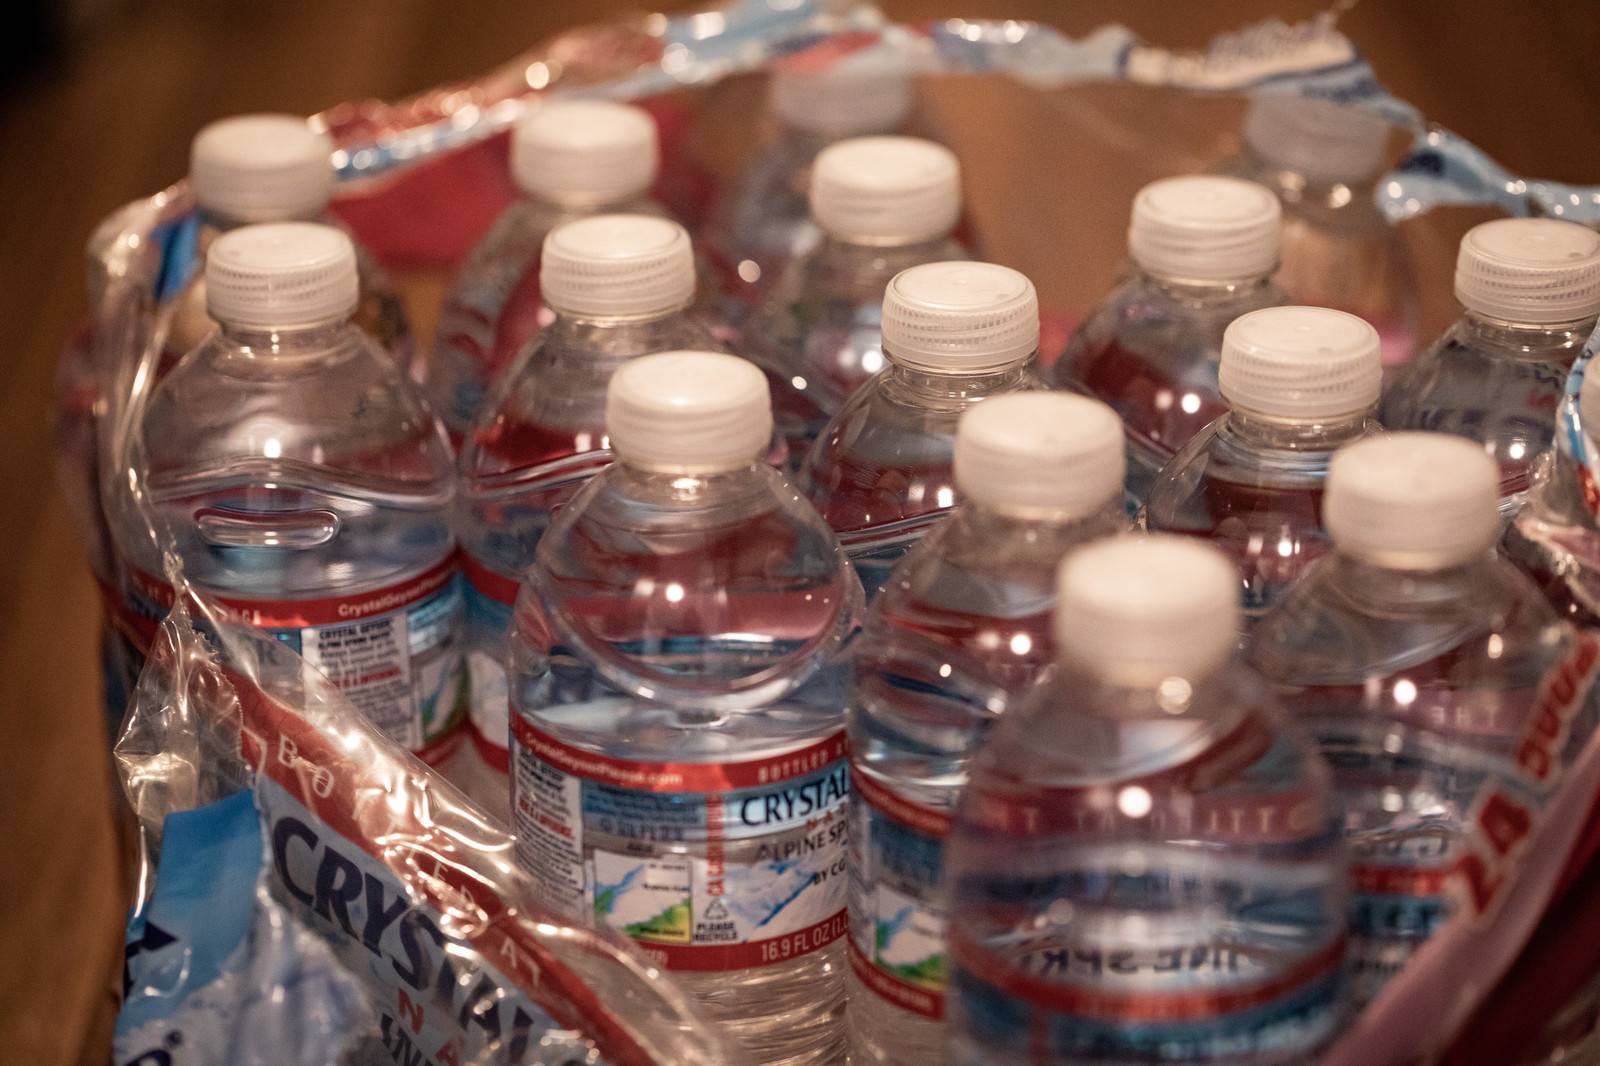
(1178, 1002)
(897, 928)
(490, 598)
(392, 651)
(707, 866)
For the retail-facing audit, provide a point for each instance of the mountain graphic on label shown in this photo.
(671, 926)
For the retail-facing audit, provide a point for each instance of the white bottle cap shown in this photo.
(958, 317)
(617, 265)
(281, 275)
(585, 152)
(886, 190)
(689, 412)
(1324, 140)
(261, 168)
(1412, 501)
(1301, 365)
(1053, 454)
(1534, 271)
(867, 93)
(1137, 609)
(1201, 227)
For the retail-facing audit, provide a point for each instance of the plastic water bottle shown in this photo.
(764, 220)
(1299, 382)
(962, 626)
(272, 168)
(242, 170)
(678, 764)
(569, 158)
(1203, 251)
(1530, 292)
(305, 484)
(884, 204)
(618, 286)
(1145, 864)
(880, 473)
(1555, 535)
(1324, 161)
(1421, 662)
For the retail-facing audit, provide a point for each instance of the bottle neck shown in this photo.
(1392, 588)
(910, 250)
(1033, 531)
(1191, 290)
(1296, 187)
(1559, 342)
(1274, 435)
(287, 343)
(910, 383)
(619, 335)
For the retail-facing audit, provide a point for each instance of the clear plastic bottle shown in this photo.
(1299, 382)
(1145, 864)
(1555, 535)
(883, 204)
(273, 168)
(764, 220)
(569, 159)
(1324, 160)
(306, 485)
(618, 286)
(1418, 658)
(678, 763)
(1203, 250)
(880, 472)
(243, 170)
(962, 626)
(1530, 292)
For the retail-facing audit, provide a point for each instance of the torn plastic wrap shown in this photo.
(312, 894)
(1095, 118)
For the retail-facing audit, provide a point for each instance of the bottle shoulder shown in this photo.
(343, 403)
(1347, 623)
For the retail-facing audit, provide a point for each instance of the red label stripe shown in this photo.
(1399, 880)
(673, 776)
(711, 958)
(332, 610)
(902, 994)
(489, 751)
(497, 587)
(912, 815)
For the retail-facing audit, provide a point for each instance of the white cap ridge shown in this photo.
(689, 413)
(626, 266)
(1300, 365)
(1205, 228)
(281, 275)
(958, 317)
(1040, 454)
(886, 190)
(585, 152)
(1412, 501)
(1136, 609)
(1530, 271)
(1321, 139)
(261, 168)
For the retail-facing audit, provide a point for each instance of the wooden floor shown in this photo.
(108, 117)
